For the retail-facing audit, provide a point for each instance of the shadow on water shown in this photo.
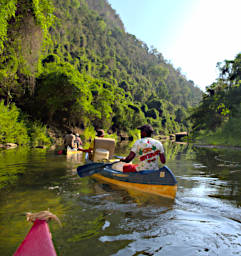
(99, 219)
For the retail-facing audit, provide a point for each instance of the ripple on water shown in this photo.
(183, 233)
(194, 226)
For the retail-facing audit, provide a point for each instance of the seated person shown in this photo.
(101, 148)
(100, 134)
(78, 141)
(147, 149)
(69, 140)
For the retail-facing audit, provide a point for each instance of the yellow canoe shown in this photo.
(160, 182)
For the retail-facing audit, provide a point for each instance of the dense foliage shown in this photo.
(16, 128)
(70, 63)
(219, 114)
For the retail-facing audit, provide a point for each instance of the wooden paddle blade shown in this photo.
(89, 169)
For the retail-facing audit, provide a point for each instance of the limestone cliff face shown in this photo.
(23, 49)
(31, 40)
(25, 36)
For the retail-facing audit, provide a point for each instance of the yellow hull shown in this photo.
(73, 152)
(166, 191)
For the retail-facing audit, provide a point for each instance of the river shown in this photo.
(204, 219)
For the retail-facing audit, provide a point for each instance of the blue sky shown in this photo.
(192, 34)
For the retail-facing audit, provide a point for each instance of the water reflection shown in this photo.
(12, 164)
(130, 195)
(224, 166)
(100, 219)
(76, 158)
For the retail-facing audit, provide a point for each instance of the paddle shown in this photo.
(118, 157)
(90, 169)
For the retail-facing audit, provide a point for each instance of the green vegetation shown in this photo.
(217, 119)
(71, 64)
(15, 128)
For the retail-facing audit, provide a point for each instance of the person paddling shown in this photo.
(100, 133)
(69, 140)
(78, 141)
(147, 149)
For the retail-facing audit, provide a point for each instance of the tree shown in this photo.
(61, 95)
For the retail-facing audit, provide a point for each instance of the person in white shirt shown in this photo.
(147, 149)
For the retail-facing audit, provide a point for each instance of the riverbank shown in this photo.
(218, 140)
(217, 146)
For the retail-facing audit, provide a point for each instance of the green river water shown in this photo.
(204, 219)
